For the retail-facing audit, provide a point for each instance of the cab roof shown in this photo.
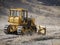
(17, 9)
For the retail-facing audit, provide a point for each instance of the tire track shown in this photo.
(4, 37)
(7, 39)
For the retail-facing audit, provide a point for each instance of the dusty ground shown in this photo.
(52, 36)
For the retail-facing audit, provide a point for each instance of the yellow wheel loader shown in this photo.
(20, 23)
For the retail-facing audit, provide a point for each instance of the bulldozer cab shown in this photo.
(18, 12)
(17, 15)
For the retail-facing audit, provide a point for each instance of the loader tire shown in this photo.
(19, 30)
(6, 29)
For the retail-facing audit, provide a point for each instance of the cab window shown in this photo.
(24, 13)
(14, 13)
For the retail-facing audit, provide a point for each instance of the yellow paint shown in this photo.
(14, 21)
(42, 31)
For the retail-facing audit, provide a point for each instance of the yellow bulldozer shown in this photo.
(20, 23)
